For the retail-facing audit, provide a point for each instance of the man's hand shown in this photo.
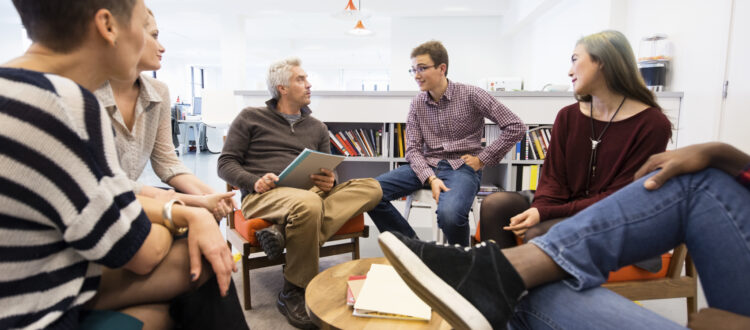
(220, 204)
(673, 163)
(712, 318)
(266, 183)
(473, 162)
(324, 181)
(437, 187)
(204, 238)
(522, 222)
(691, 159)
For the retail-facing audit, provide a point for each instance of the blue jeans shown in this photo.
(557, 306)
(452, 211)
(708, 211)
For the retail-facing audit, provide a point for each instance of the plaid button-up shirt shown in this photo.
(453, 127)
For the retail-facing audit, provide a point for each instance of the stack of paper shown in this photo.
(384, 294)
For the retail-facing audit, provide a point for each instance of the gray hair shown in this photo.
(279, 74)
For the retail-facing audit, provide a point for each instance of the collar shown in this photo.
(448, 95)
(273, 105)
(147, 95)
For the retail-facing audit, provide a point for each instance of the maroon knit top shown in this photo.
(625, 146)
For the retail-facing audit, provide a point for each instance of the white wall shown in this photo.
(698, 30)
(11, 38)
(474, 50)
(542, 45)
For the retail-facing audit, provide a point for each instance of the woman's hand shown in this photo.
(522, 222)
(219, 204)
(205, 239)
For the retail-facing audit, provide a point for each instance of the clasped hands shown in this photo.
(218, 204)
(324, 181)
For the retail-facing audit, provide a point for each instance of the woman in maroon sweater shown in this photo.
(596, 147)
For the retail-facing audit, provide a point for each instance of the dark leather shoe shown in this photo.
(271, 240)
(292, 305)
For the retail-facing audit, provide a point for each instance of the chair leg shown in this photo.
(355, 252)
(692, 305)
(246, 282)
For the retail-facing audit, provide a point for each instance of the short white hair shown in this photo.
(279, 74)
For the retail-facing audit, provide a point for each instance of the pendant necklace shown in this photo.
(595, 141)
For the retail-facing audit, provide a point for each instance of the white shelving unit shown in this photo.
(379, 110)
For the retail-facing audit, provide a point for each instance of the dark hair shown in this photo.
(61, 24)
(436, 50)
(613, 51)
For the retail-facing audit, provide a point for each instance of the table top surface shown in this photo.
(325, 297)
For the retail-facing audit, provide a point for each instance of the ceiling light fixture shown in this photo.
(351, 12)
(360, 30)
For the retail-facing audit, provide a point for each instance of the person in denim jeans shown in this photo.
(698, 196)
(443, 146)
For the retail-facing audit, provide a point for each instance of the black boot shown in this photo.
(271, 240)
(205, 308)
(291, 303)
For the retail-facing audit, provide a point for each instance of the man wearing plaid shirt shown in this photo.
(443, 146)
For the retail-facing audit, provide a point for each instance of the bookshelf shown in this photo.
(342, 110)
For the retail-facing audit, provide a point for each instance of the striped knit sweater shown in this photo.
(66, 207)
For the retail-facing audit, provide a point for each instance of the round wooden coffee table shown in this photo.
(325, 299)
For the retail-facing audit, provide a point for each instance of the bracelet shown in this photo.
(167, 214)
(430, 179)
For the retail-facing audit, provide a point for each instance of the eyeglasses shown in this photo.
(420, 69)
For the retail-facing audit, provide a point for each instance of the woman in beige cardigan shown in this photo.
(140, 113)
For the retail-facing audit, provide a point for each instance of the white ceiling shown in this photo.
(382, 8)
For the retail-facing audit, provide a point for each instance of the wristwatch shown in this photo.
(167, 214)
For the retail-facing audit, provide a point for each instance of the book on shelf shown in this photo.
(354, 142)
(368, 143)
(537, 145)
(527, 177)
(378, 142)
(400, 139)
(363, 142)
(338, 145)
(533, 177)
(349, 148)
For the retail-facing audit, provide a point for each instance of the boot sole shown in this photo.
(265, 237)
(446, 301)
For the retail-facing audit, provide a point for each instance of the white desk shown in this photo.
(185, 125)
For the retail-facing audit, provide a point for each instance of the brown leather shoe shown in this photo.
(291, 303)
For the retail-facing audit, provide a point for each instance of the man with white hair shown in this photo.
(261, 142)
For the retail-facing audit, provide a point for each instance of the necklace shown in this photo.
(595, 141)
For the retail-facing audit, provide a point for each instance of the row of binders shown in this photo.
(534, 144)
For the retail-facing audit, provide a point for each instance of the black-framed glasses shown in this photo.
(421, 68)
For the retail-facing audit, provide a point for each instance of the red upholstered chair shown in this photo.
(637, 284)
(241, 235)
